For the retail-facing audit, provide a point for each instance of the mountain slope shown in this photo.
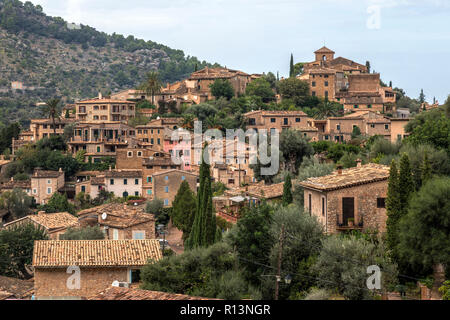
(53, 58)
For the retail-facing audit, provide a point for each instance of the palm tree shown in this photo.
(188, 121)
(214, 122)
(152, 85)
(326, 109)
(52, 109)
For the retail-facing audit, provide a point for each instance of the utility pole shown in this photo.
(280, 255)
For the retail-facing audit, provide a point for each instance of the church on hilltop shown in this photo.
(347, 82)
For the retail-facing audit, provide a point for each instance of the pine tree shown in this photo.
(203, 231)
(390, 84)
(393, 206)
(287, 190)
(291, 67)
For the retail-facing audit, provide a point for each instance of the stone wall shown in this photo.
(51, 283)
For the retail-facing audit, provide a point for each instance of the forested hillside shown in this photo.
(53, 58)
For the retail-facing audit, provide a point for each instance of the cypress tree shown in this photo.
(393, 207)
(203, 231)
(183, 209)
(291, 67)
(287, 190)
(405, 182)
(426, 172)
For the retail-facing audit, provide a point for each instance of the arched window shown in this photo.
(324, 58)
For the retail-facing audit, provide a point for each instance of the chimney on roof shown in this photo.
(60, 170)
(100, 96)
(125, 207)
(12, 179)
(110, 168)
(358, 163)
(339, 169)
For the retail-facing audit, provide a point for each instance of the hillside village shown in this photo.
(116, 188)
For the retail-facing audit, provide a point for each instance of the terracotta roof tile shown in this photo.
(15, 288)
(46, 173)
(349, 177)
(122, 173)
(117, 293)
(21, 184)
(95, 253)
(49, 221)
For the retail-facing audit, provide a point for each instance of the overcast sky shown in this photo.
(407, 41)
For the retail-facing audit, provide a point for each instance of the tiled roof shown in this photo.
(156, 161)
(259, 190)
(117, 293)
(126, 218)
(21, 184)
(102, 101)
(275, 113)
(173, 171)
(46, 173)
(122, 173)
(95, 253)
(15, 288)
(98, 181)
(50, 121)
(348, 178)
(216, 73)
(50, 221)
(324, 50)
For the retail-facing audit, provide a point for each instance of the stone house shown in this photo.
(230, 176)
(42, 128)
(100, 140)
(44, 183)
(280, 120)
(54, 224)
(120, 221)
(202, 79)
(100, 263)
(166, 184)
(398, 129)
(124, 183)
(24, 185)
(350, 199)
(151, 134)
(105, 109)
(340, 129)
(158, 163)
(24, 138)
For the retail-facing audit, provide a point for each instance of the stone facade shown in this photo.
(167, 183)
(100, 140)
(105, 109)
(398, 129)
(45, 183)
(51, 283)
(355, 202)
